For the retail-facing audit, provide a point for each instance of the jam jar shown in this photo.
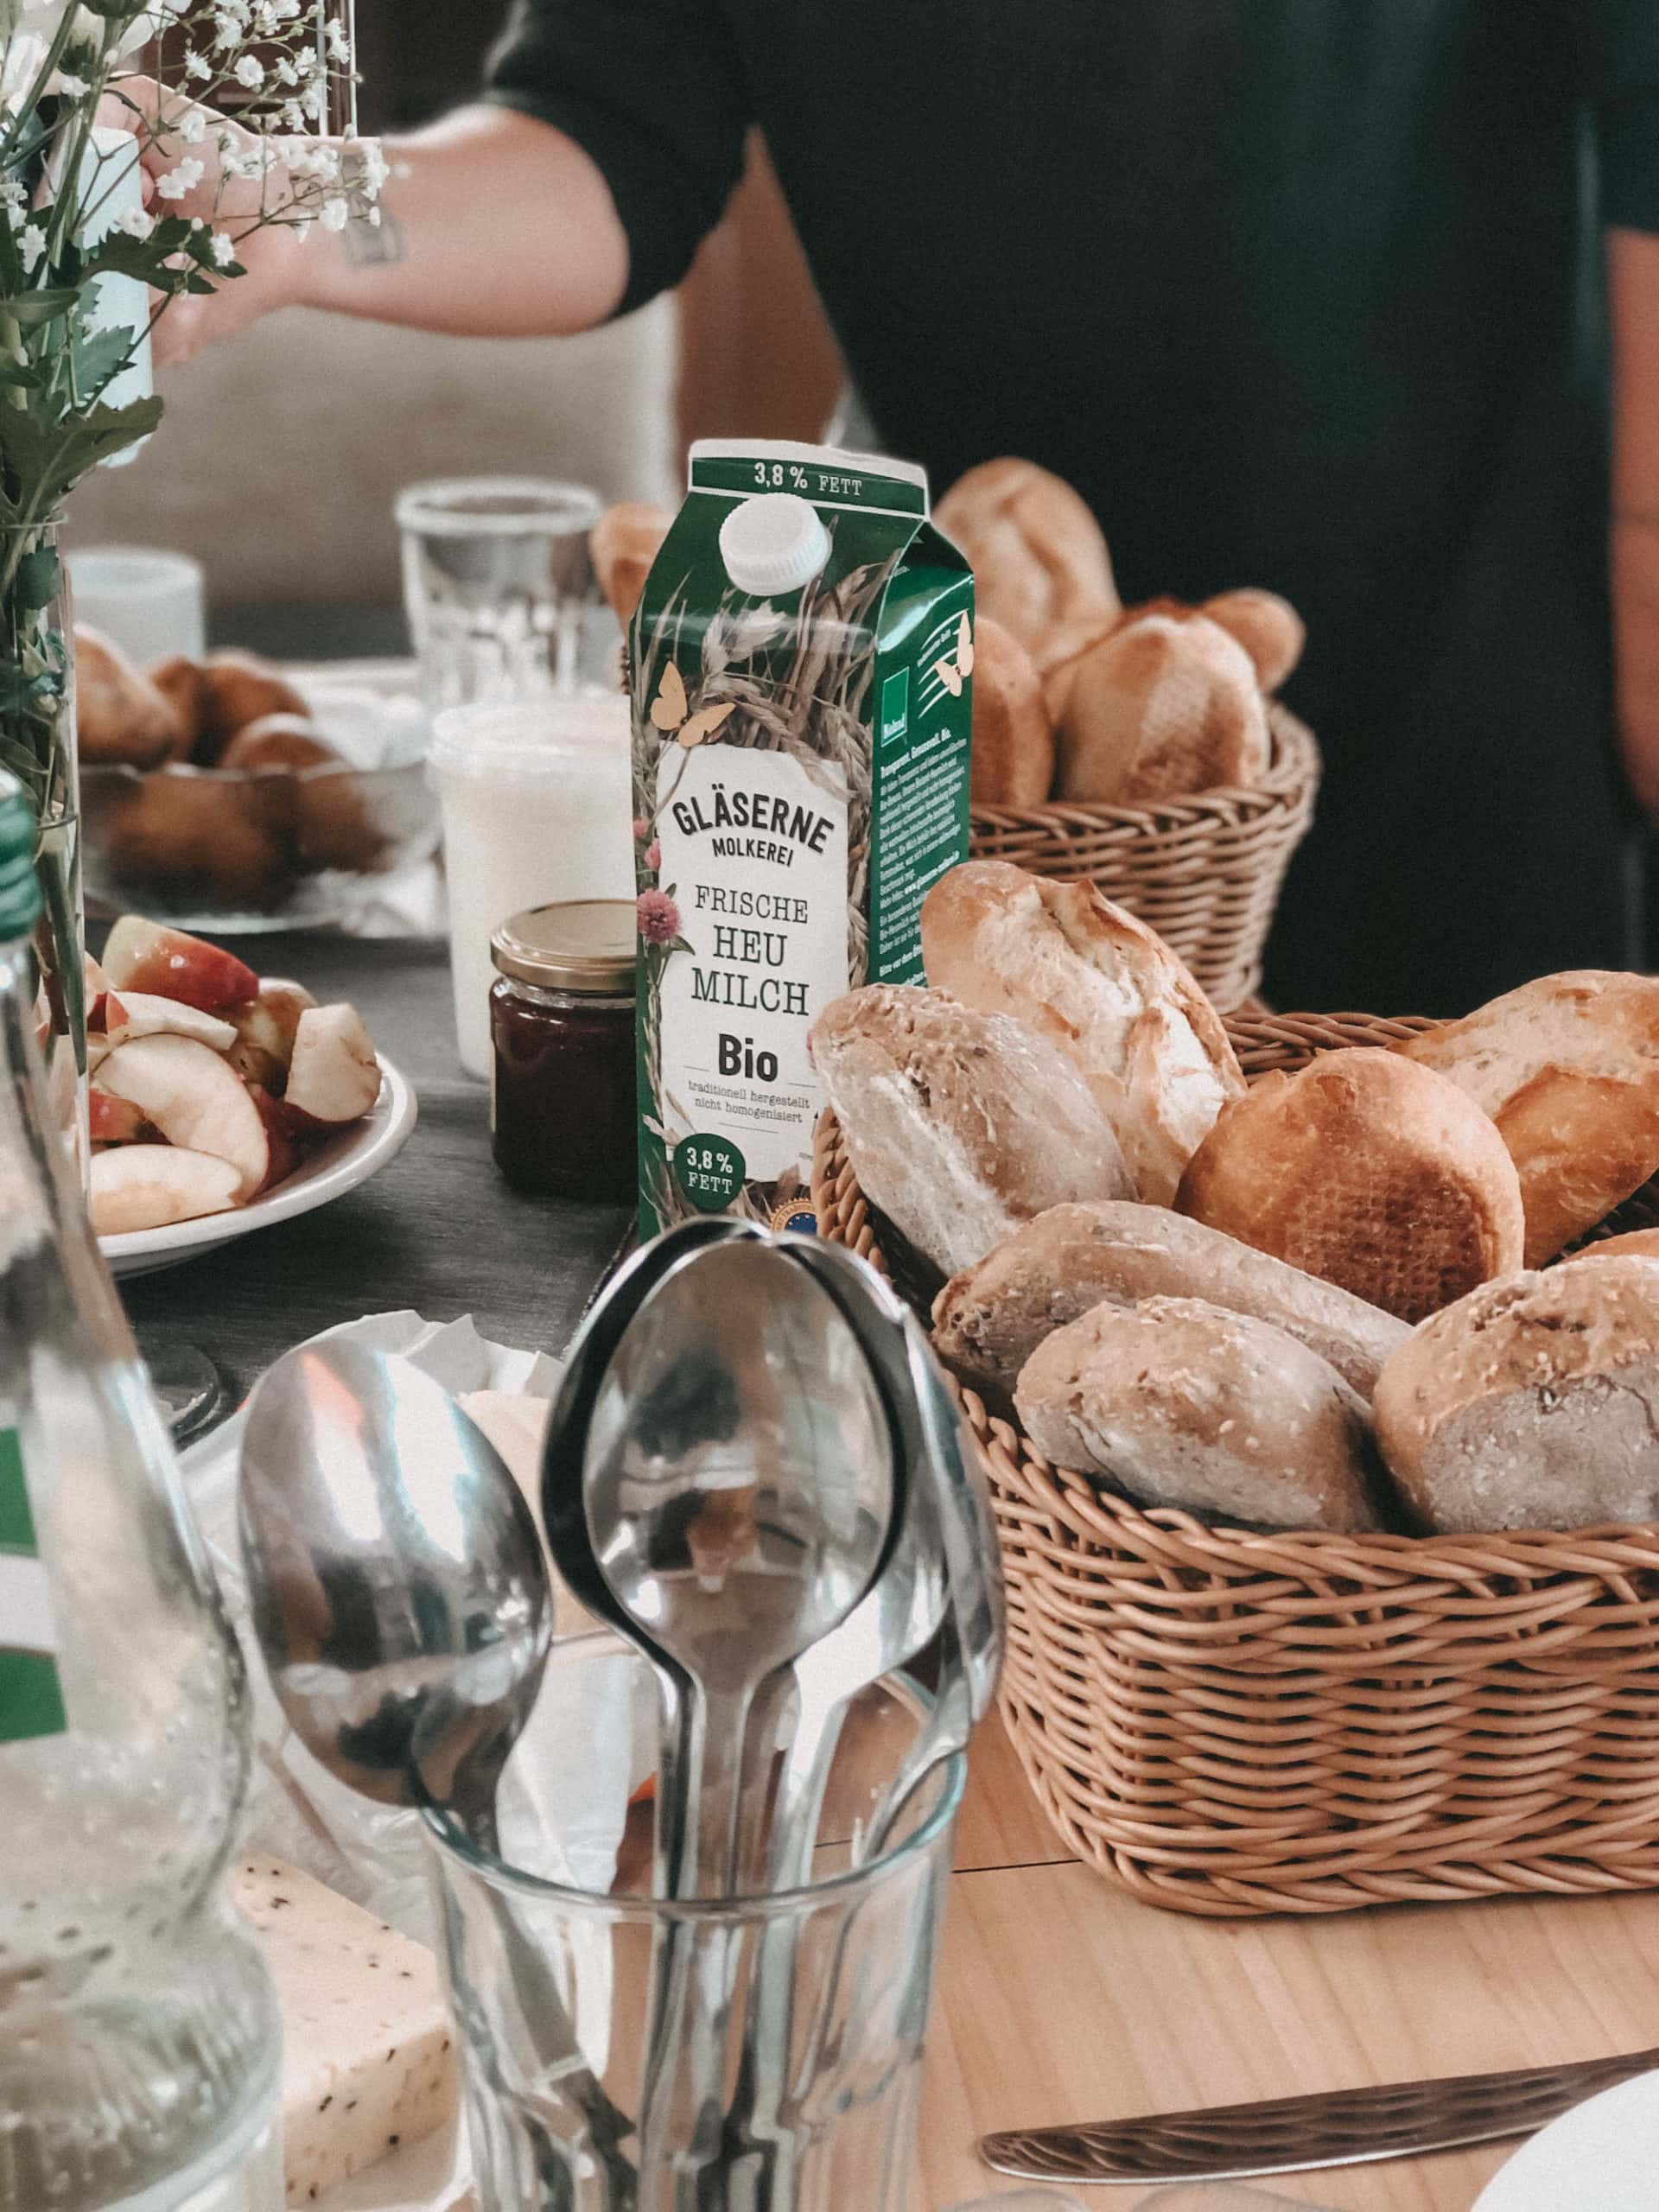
(562, 1102)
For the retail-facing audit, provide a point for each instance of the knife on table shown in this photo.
(1286, 2135)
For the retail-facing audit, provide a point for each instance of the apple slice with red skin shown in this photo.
(144, 956)
(111, 1119)
(285, 1140)
(152, 1186)
(334, 1076)
(266, 1032)
(195, 1098)
(121, 1014)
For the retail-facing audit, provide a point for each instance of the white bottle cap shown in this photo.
(775, 542)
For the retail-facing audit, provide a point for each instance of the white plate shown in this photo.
(337, 1167)
(1603, 2154)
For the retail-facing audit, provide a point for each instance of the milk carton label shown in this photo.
(756, 856)
(802, 696)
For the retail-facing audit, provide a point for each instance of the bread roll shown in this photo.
(1268, 627)
(988, 1322)
(178, 678)
(1061, 958)
(1165, 704)
(1633, 1244)
(1182, 1404)
(1014, 743)
(623, 544)
(121, 718)
(1377, 1174)
(1532, 1403)
(285, 741)
(234, 690)
(189, 835)
(1041, 564)
(1568, 1068)
(958, 1125)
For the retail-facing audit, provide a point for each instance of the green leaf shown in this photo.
(16, 377)
(35, 583)
(30, 309)
(96, 358)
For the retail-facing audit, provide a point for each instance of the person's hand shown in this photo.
(1636, 633)
(190, 164)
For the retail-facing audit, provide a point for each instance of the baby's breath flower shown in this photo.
(136, 222)
(198, 65)
(192, 126)
(177, 181)
(223, 252)
(250, 71)
(334, 215)
(339, 46)
(69, 85)
(31, 245)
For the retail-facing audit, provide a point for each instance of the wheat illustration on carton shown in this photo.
(800, 769)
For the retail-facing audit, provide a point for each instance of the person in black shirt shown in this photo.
(1311, 294)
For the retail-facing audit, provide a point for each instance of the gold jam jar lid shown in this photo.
(576, 945)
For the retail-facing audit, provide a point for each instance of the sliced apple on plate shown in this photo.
(149, 956)
(152, 1186)
(334, 1076)
(197, 1101)
(115, 1120)
(118, 1015)
(265, 1032)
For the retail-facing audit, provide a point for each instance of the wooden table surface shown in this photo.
(1060, 1998)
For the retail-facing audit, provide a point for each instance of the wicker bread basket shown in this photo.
(1229, 1722)
(1205, 872)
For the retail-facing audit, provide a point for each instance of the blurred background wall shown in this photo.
(281, 452)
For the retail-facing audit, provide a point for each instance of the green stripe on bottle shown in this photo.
(31, 1696)
(16, 1522)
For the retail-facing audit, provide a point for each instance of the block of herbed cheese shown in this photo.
(369, 2058)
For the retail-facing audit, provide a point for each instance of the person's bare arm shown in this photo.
(1633, 271)
(491, 224)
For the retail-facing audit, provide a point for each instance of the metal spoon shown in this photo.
(741, 1496)
(564, 1516)
(401, 1601)
(397, 1582)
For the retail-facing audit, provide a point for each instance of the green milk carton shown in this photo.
(801, 659)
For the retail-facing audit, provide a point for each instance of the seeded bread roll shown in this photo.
(990, 1320)
(1041, 564)
(1376, 1174)
(959, 1126)
(1532, 1403)
(1166, 703)
(1061, 958)
(1568, 1069)
(622, 545)
(1183, 1404)
(1013, 756)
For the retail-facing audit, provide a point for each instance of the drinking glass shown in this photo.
(497, 583)
(151, 603)
(561, 1994)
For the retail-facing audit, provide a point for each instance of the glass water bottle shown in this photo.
(138, 2031)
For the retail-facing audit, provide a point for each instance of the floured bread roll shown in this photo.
(1268, 627)
(959, 1126)
(1532, 1403)
(1634, 1244)
(1183, 1404)
(1166, 703)
(1369, 1171)
(1061, 958)
(988, 1321)
(1568, 1069)
(1040, 562)
(1012, 762)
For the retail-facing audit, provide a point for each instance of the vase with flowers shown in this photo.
(102, 104)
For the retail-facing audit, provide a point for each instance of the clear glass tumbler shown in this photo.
(497, 586)
(760, 2055)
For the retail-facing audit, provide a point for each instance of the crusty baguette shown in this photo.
(622, 544)
(988, 1320)
(1268, 627)
(1568, 1068)
(1013, 756)
(1532, 1403)
(1041, 564)
(1366, 1169)
(1166, 703)
(1097, 982)
(1183, 1404)
(959, 1126)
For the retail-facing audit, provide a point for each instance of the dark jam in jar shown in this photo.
(562, 1106)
